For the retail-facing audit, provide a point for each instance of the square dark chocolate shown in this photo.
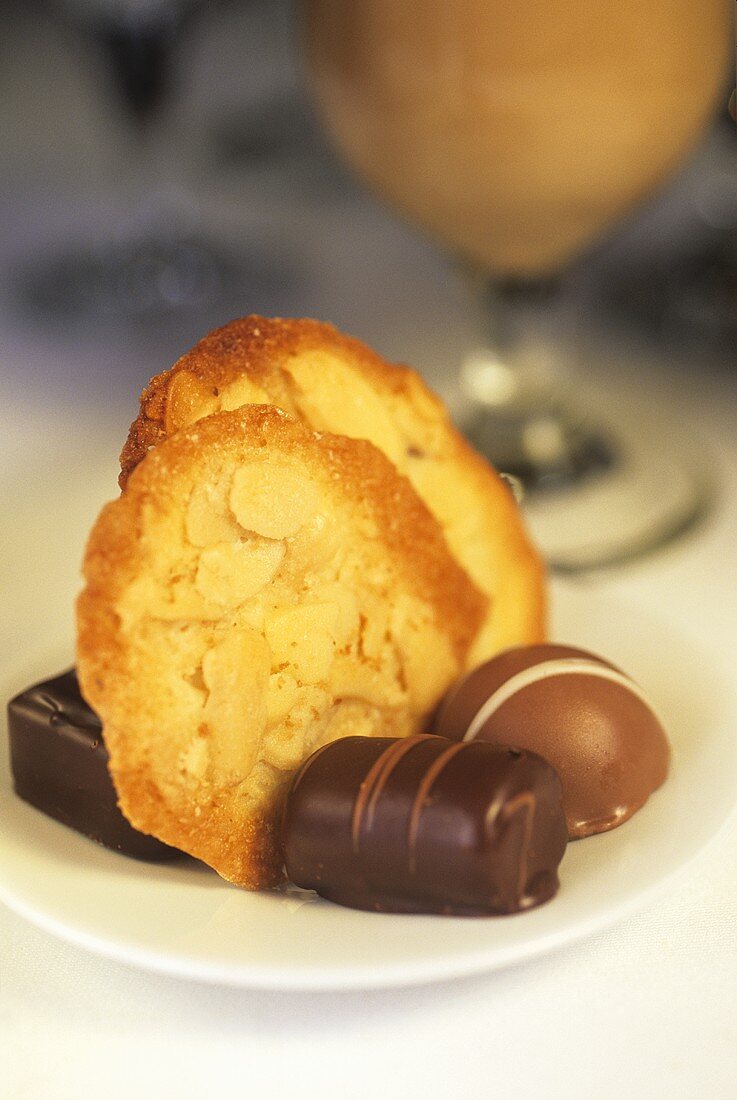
(60, 765)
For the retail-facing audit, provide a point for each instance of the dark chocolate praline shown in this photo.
(60, 765)
(425, 825)
(577, 710)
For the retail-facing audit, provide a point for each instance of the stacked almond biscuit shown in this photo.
(304, 549)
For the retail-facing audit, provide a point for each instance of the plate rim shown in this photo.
(353, 979)
(425, 968)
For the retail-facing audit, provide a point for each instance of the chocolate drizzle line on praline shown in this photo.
(374, 783)
(525, 800)
(421, 799)
(564, 666)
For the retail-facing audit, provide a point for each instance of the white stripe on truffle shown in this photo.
(563, 666)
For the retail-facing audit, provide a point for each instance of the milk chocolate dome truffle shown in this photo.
(578, 711)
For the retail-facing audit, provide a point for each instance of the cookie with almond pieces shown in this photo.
(335, 383)
(259, 590)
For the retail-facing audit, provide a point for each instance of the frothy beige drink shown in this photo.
(517, 131)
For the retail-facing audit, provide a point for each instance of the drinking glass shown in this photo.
(157, 259)
(518, 133)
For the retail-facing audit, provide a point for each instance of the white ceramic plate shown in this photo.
(183, 920)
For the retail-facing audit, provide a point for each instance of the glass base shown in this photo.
(590, 503)
(541, 446)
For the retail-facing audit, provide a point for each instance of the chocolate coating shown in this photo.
(579, 712)
(59, 765)
(425, 825)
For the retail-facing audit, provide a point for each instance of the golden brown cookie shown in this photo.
(258, 590)
(335, 383)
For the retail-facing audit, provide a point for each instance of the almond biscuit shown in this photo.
(258, 590)
(335, 383)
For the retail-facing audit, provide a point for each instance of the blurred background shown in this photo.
(164, 170)
(238, 150)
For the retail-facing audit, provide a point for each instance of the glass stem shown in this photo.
(140, 40)
(517, 342)
(517, 413)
